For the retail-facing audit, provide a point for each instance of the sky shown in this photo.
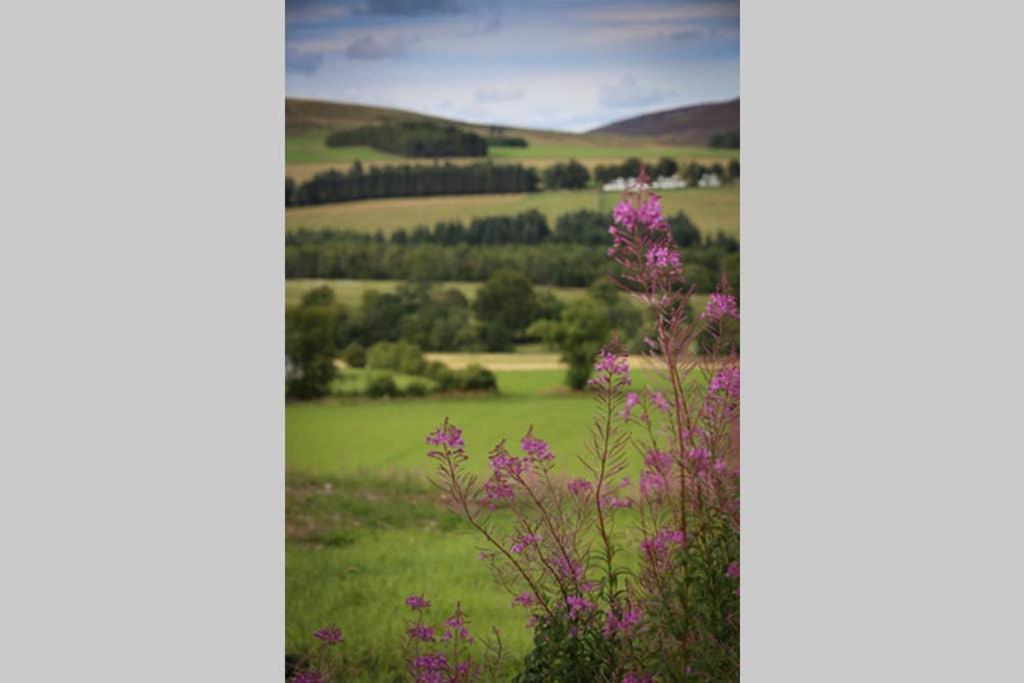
(570, 65)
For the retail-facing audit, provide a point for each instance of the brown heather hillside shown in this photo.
(684, 126)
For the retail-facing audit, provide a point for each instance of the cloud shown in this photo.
(498, 95)
(413, 7)
(312, 11)
(302, 62)
(628, 92)
(690, 33)
(368, 47)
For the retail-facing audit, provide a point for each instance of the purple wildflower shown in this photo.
(656, 547)
(659, 401)
(614, 363)
(580, 487)
(663, 258)
(417, 602)
(524, 600)
(624, 214)
(331, 635)
(456, 628)
(578, 604)
(421, 632)
(308, 676)
(726, 381)
(636, 678)
(733, 570)
(446, 435)
(650, 214)
(651, 483)
(429, 668)
(719, 306)
(523, 541)
(616, 503)
(537, 449)
(498, 487)
(632, 401)
(623, 624)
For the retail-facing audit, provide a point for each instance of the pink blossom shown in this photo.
(421, 632)
(524, 600)
(733, 570)
(636, 678)
(622, 625)
(330, 635)
(651, 483)
(720, 305)
(632, 401)
(578, 604)
(657, 546)
(650, 214)
(580, 487)
(614, 363)
(537, 449)
(446, 435)
(525, 540)
(417, 602)
(659, 401)
(616, 503)
(625, 214)
(726, 381)
(663, 258)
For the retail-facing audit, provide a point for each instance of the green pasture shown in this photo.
(711, 209)
(365, 529)
(310, 148)
(384, 437)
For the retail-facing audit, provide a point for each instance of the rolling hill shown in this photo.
(692, 125)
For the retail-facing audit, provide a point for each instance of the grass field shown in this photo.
(358, 498)
(711, 209)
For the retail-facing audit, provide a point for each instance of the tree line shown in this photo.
(410, 181)
(528, 227)
(413, 139)
(560, 264)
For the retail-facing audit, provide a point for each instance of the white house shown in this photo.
(662, 183)
(709, 180)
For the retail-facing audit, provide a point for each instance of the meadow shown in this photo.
(711, 209)
(358, 498)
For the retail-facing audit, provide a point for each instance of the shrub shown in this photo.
(380, 386)
(416, 389)
(354, 355)
(309, 350)
(726, 140)
(477, 378)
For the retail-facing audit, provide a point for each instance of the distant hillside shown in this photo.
(692, 125)
(303, 116)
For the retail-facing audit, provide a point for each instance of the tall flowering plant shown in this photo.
(667, 608)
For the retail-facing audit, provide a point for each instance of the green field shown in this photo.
(711, 209)
(357, 498)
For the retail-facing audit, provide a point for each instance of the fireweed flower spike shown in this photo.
(330, 635)
(416, 602)
(557, 548)
(720, 305)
